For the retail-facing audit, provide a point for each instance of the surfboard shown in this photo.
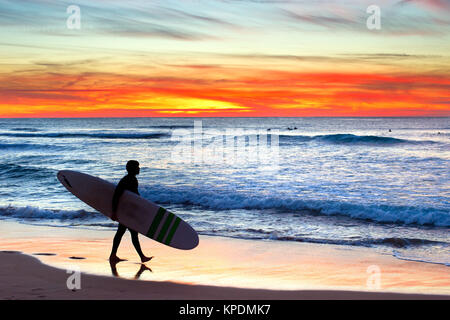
(133, 211)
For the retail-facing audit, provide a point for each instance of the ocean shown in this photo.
(382, 183)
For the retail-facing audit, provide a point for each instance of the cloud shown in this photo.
(431, 4)
(321, 20)
(424, 19)
(138, 19)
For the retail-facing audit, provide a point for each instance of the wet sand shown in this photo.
(25, 277)
(220, 268)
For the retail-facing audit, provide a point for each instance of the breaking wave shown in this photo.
(229, 200)
(33, 213)
(350, 139)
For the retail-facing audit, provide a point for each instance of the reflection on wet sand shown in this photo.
(227, 262)
(113, 265)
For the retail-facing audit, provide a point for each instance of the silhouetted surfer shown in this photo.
(130, 183)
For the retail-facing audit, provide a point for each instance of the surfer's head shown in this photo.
(133, 167)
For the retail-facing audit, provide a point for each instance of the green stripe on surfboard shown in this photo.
(165, 226)
(156, 221)
(172, 231)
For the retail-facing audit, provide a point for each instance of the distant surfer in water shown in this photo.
(130, 183)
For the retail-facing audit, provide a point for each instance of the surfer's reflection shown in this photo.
(113, 265)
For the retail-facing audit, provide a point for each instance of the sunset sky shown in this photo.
(224, 58)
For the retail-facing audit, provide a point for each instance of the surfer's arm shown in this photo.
(137, 187)
(115, 200)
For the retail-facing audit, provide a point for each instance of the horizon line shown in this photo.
(190, 117)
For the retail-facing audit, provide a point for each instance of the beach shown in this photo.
(37, 261)
(345, 208)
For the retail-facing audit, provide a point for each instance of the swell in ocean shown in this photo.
(98, 135)
(350, 139)
(341, 138)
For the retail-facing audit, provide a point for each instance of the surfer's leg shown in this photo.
(137, 246)
(116, 242)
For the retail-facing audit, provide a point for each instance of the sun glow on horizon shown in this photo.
(160, 58)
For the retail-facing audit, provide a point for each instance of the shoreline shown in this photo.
(219, 268)
(33, 280)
